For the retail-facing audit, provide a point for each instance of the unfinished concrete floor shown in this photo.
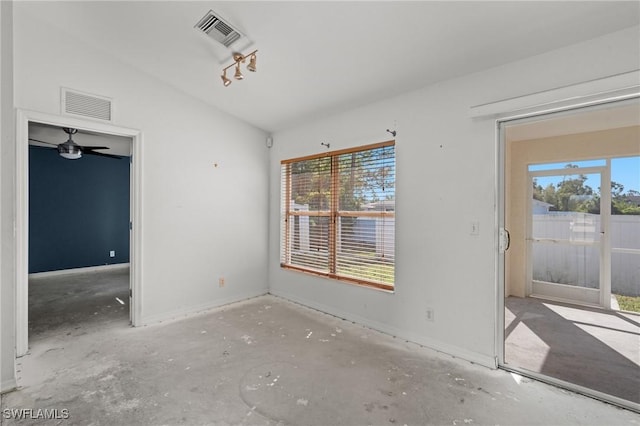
(590, 347)
(75, 304)
(267, 361)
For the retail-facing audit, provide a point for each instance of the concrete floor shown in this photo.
(267, 361)
(590, 347)
(75, 304)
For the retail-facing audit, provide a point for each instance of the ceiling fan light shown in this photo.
(252, 63)
(71, 155)
(70, 150)
(238, 75)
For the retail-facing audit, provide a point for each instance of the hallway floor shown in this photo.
(267, 361)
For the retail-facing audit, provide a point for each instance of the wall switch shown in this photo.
(112, 253)
(221, 281)
(475, 228)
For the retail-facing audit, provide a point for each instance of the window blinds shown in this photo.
(338, 214)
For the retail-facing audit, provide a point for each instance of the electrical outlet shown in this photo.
(221, 281)
(112, 253)
(429, 314)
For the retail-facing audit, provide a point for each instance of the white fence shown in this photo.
(580, 265)
(376, 232)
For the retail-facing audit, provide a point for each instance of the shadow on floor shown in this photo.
(597, 349)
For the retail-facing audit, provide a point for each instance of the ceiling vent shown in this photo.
(219, 30)
(86, 105)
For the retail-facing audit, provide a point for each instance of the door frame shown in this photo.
(23, 118)
(510, 116)
(572, 97)
(604, 253)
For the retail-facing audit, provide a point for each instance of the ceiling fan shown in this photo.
(72, 151)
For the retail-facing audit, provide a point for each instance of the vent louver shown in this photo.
(219, 30)
(86, 105)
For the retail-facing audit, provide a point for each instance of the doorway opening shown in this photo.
(79, 214)
(571, 182)
(103, 281)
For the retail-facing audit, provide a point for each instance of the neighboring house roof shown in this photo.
(541, 203)
(385, 205)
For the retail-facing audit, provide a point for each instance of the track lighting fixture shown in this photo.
(239, 58)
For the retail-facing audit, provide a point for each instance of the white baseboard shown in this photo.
(476, 358)
(99, 268)
(199, 309)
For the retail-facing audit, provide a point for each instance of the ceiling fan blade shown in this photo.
(91, 148)
(48, 143)
(100, 154)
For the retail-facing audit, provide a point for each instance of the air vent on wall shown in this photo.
(86, 105)
(219, 30)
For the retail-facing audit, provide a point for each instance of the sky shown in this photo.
(625, 170)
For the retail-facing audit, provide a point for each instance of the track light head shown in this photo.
(238, 75)
(225, 80)
(252, 63)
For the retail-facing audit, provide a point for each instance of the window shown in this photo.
(338, 214)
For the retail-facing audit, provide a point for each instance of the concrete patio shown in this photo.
(590, 347)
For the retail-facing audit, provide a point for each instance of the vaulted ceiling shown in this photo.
(317, 58)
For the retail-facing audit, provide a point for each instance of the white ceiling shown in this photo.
(317, 58)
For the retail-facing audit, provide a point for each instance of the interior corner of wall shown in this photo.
(7, 385)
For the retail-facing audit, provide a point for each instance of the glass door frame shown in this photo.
(572, 294)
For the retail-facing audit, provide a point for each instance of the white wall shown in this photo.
(446, 173)
(199, 221)
(7, 158)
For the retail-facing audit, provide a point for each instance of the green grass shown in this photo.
(379, 273)
(628, 303)
(369, 267)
